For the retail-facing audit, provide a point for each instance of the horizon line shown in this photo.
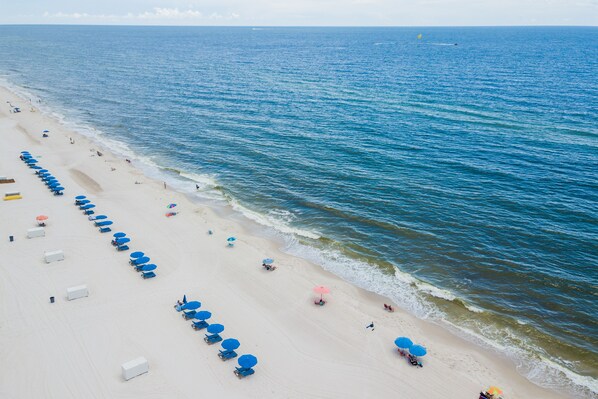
(304, 26)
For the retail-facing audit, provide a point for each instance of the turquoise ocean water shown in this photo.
(456, 174)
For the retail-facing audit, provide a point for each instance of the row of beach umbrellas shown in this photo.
(141, 263)
(190, 311)
(44, 174)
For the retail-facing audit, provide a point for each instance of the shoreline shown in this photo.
(114, 188)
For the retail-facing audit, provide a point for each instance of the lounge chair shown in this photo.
(200, 325)
(243, 371)
(105, 229)
(147, 275)
(88, 212)
(122, 248)
(188, 314)
(212, 339)
(226, 355)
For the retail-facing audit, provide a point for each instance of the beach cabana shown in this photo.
(202, 316)
(228, 349)
(246, 363)
(147, 271)
(214, 331)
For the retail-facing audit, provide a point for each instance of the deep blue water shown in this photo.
(460, 180)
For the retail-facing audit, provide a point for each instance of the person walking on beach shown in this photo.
(164, 185)
(370, 326)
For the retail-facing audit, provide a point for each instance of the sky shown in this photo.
(301, 12)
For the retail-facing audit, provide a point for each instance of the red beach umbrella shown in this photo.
(41, 218)
(320, 289)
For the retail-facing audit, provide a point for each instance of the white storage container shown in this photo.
(53, 256)
(135, 367)
(77, 292)
(36, 232)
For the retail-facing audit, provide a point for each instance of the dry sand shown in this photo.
(74, 349)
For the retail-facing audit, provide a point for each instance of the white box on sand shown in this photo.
(53, 256)
(77, 292)
(135, 367)
(36, 232)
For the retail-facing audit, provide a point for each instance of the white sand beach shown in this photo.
(74, 349)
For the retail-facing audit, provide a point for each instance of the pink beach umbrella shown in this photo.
(320, 289)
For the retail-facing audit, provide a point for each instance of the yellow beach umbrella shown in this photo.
(494, 390)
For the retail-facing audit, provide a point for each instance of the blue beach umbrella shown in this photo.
(403, 342)
(148, 268)
(230, 344)
(90, 206)
(46, 131)
(231, 239)
(27, 156)
(122, 240)
(24, 152)
(57, 189)
(80, 197)
(120, 234)
(247, 361)
(417, 350)
(136, 255)
(215, 328)
(54, 184)
(100, 217)
(170, 206)
(202, 315)
(35, 167)
(142, 260)
(84, 201)
(268, 261)
(30, 161)
(191, 305)
(42, 171)
(104, 223)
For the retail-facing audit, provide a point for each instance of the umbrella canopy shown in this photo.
(24, 152)
(80, 197)
(320, 289)
(148, 268)
(403, 343)
(46, 131)
(136, 255)
(42, 171)
(59, 188)
(268, 261)
(32, 160)
(231, 239)
(36, 167)
(142, 260)
(230, 344)
(169, 206)
(122, 240)
(104, 223)
(494, 390)
(100, 217)
(202, 315)
(41, 218)
(215, 328)
(120, 234)
(417, 350)
(247, 361)
(191, 305)
(54, 184)
(89, 206)
(84, 201)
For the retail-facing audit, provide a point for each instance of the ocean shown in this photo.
(455, 174)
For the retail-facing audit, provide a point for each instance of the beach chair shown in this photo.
(200, 325)
(320, 302)
(147, 275)
(122, 248)
(188, 314)
(242, 372)
(226, 355)
(105, 229)
(212, 339)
